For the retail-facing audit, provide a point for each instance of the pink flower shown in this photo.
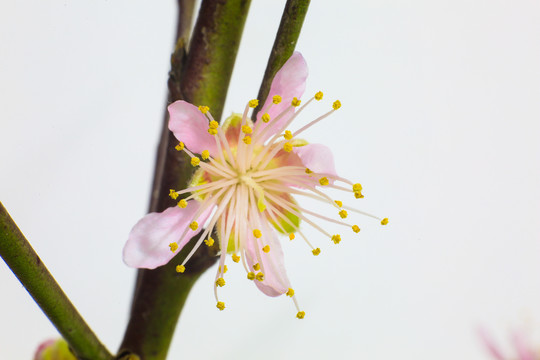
(244, 185)
(523, 349)
(54, 350)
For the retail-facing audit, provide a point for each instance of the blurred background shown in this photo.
(440, 124)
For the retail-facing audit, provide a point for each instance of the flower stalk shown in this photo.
(38, 281)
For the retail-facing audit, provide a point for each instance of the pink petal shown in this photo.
(275, 281)
(523, 350)
(289, 82)
(490, 344)
(190, 126)
(148, 242)
(317, 158)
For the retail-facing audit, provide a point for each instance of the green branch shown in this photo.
(38, 281)
(284, 44)
(200, 76)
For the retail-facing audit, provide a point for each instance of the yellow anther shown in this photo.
(338, 203)
(301, 314)
(212, 131)
(180, 268)
(246, 129)
(266, 117)
(316, 251)
(324, 181)
(266, 248)
(247, 139)
(253, 103)
(180, 146)
(224, 269)
(276, 99)
(209, 242)
(357, 187)
(384, 221)
(318, 96)
(343, 214)
(290, 292)
(287, 135)
(220, 305)
(220, 282)
(251, 275)
(194, 226)
(336, 105)
(173, 194)
(235, 258)
(257, 267)
(295, 102)
(287, 147)
(291, 236)
(257, 233)
(259, 276)
(358, 195)
(182, 203)
(173, 246)
(195, 161)
(205, 154)
(308, 171)
(203, 109)
(356, 228)
(213, 124)
(336, 238)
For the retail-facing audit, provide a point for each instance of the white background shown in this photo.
(440, 123)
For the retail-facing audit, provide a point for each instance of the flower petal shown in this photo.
(148, 242)
(289, 82)
(490, 344)
(523, 350)
(317, 157)
(275, 281)
(190, 126)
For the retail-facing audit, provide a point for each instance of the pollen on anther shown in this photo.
(308, 171)
(287, 147)
(319, 96)
(224, 269)
(220, 305)
(290, 292)
(213, 124)
(257, 233)
(209, 242)
(247, 139)
(301, 314)
(180, 146)
(266, 248)
(358, 195)
(212, 131)
(253, 103)
(356, 228)
(357, 187)
(173, 194)
(195, 161)
(180, 268)
(257, 267)
(276, 99)
(194, 226)
(205, 154)
(296, 102)
(316, 251)
(336, 238)
(338, 203)
(324, 181)
(173, 246)
(343, 214)
(384, 221)
(203, 109)
(251, 275)
(266, 117)
(288, 135)
(259, 276)
(246, 129)
(291, 236)
(220, 282)
(235, 258)
(336, 105)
